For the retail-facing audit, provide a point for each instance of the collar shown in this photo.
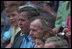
(28, 37)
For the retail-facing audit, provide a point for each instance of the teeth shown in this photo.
(62, 33)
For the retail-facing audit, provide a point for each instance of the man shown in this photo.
(24, 25)
(4, 15)
(36, 31)
(23, 39)
(12, 15)
(38, 26)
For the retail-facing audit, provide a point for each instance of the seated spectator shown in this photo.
(12, 15)
(41, 29)
(4, 17)
(23, 39)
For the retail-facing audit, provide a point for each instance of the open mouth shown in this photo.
(12, 21)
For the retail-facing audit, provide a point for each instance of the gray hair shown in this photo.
(59, 43)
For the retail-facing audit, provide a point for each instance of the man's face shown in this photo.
(24, 22)
(13, 17)
(35, 30)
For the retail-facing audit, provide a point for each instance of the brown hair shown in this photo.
(48, 33)
(12, 7)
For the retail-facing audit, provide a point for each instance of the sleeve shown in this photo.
(59, 17)
(61, 14)
(7, 35)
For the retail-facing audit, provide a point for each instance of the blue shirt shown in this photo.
(7, 35)
(27, 42)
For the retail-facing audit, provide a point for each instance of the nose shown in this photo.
(31, 32)
(19, 23)
(11, 18)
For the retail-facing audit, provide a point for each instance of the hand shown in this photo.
(67, 32)
(55, 30)
(9, 45)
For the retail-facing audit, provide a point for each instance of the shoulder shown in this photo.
(17, 34)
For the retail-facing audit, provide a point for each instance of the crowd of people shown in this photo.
(35, 24)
